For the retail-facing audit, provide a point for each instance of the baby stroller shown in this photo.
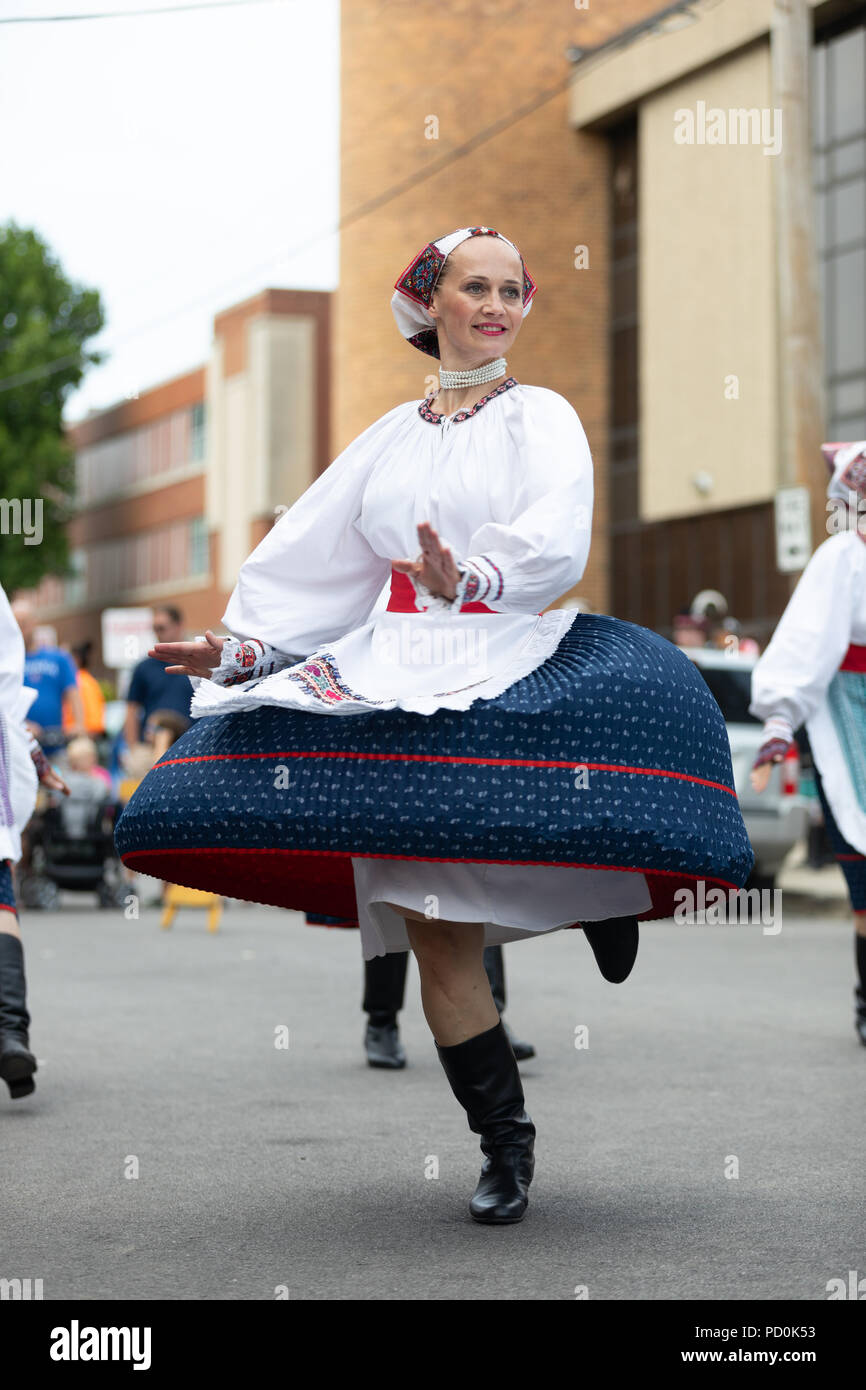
(72, 846)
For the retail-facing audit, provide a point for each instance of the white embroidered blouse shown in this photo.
(507, 485)
(792, 678)
(825, 614)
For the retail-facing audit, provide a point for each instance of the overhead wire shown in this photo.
(396, 190)
(134, 14)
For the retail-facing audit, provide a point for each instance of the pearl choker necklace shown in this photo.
(449, 381)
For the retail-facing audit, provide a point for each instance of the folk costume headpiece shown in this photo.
(413, 290)
(847, 467)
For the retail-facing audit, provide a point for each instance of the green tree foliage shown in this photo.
(45, 321)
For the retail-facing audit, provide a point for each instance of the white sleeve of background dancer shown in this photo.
(525, 565)
(314, 577)
(791, 676)
(11, 661)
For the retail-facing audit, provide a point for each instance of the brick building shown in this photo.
(177, 486)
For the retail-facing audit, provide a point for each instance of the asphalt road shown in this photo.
(262, 1167)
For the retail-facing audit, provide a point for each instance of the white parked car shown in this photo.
(777, 817)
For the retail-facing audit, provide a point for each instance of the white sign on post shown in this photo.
(127, 634)
(793, 529)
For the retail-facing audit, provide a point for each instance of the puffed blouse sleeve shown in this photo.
(790, 678)
(527, 562)
(314, 577)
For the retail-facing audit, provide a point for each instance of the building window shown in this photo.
(197, 435)
(198, 547)
(839, 167)
(166, 555)
(139, 456)
(75, 587)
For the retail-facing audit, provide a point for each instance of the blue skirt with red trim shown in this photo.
(612, 754)
(7, 887)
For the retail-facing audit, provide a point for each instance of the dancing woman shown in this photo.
(22, 766)
(813, 672)
(489, 770)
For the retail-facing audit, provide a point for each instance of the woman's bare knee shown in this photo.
(444, 949)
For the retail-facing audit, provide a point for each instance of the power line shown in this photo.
(131, 14)
(372, 205)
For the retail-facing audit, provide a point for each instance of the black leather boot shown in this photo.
(382, 1044)
(860, 991)
(483, 1075)
(614, 944)
(17, 1063)
(384, 991)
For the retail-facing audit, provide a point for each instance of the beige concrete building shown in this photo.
(738, 291)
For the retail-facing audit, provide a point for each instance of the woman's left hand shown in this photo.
(436, 568)
(48, 777)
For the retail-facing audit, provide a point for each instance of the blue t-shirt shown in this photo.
(153, 688)
(50, 671)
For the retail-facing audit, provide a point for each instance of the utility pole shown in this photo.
(801, 402)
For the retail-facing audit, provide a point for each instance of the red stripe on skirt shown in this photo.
(451, 758)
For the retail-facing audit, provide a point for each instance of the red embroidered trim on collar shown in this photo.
(426, 413)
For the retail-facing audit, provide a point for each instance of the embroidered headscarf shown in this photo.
(413, 290)
(847, 466)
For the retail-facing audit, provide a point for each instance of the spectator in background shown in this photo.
(92, 698)
(712, 608)
(52, 674)
(82, 757)
(89, 787)
(689, 631)
(163, 728)
(152, 687)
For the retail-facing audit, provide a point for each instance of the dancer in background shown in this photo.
(813, 672)
(22, 766)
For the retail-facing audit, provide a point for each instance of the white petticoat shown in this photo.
(512, 900)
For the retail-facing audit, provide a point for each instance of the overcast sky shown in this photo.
(173, 161)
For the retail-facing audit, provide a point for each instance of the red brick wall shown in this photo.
(472, 63)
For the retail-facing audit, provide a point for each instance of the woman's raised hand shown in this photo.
(436, 568)
(191, 658)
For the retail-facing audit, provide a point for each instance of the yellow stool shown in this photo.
(127, 787)
(177, 896)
